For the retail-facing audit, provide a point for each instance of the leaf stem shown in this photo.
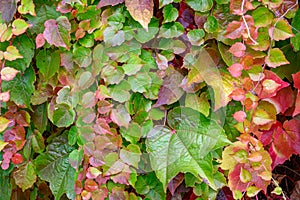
(246, 25)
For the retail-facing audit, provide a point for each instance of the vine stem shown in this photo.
(246, 25)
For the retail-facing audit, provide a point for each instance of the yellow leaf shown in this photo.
(3, 123)
(141, 11)
(12, 53)
(2, 145)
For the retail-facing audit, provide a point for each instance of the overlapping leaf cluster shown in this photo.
(136, 99)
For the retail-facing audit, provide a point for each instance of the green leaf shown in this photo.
(19, 26)
(131, 155)
(12, 53)
(27, 6)
(198, 103)
(65, 96)
(144, 36)
(39, 117)
(5, 186)
(44, 12)
(200, 5)
(113, 37)
(170, 13)
(186, 146)
(53, 166)
(133, 133)
(262, 17)
(25, 176)
(37, 142)
(75, 158)
(82, 56)
(48, 63)
(276, 58)
(120, 92)
(3, 123)
(295, 41)
(61, 115)
(211, 25)
(171, 30)
(21, 87)
(282, 30)
(26, 48)
(196, 36)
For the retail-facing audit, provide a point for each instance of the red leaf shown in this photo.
(297, 105)
(236, 69)
(234, 30)
(57, 32)
(175, 182)
(238, 49)
(283, 100)
(17, 159)
(239, 116)
(296, 79)
(292, 128)
(170, 91)
(103, 3)
(265, 92)
(40, 40)
(90, 185)
(238, 94)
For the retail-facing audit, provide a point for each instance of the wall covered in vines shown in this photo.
(148, 99)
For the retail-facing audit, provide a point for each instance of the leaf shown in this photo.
(280, 30)
(21, 88)
(5, 186)
(37, 142)
(8, 9)
(8, 73)
(171, 30)
(26, 48)
(276, 58)
(170, 13)
(113, 36)
(61, 115)
(238, 49)
(234, 30)
(295, 41)
(12, 53)
(141, 11)
(211, 25)
(3, 123)
(265, 113)
(196, 36)
(104, 3)
(48, 63)
(27, 7)
(39, 40)
(162, 3)
(53, 166)
(57, 32)
(186, 147)
(120, 116)
(199, 103)
(170, 92)
(25, 176)
(236, 70)
(262, 17)
(19, 26)
(200, 5)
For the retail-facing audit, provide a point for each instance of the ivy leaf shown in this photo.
(26, 48)
(21, 87)
(162, 3)
(234, 30)
(8, 9)
(57, 32)
(53, 166)
(276, 58)
(170, 92)
(104, 3)
(295, 41)
(200, 5)
(120, 116)
(19, 26)
(141, 11)
(171, 30)
(5, 186)
(61, 115)
(186, 147)
(12, 53)
(82, 56)
(265, 113)
(238, 49)
(170, 13)
(48, 63)
(25, 176)
(27, 6)
(8, 73)
(211, 25)
(262, 17)
(3, 123)
(280, 30)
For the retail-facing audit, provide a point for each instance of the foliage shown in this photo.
(146, 99)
